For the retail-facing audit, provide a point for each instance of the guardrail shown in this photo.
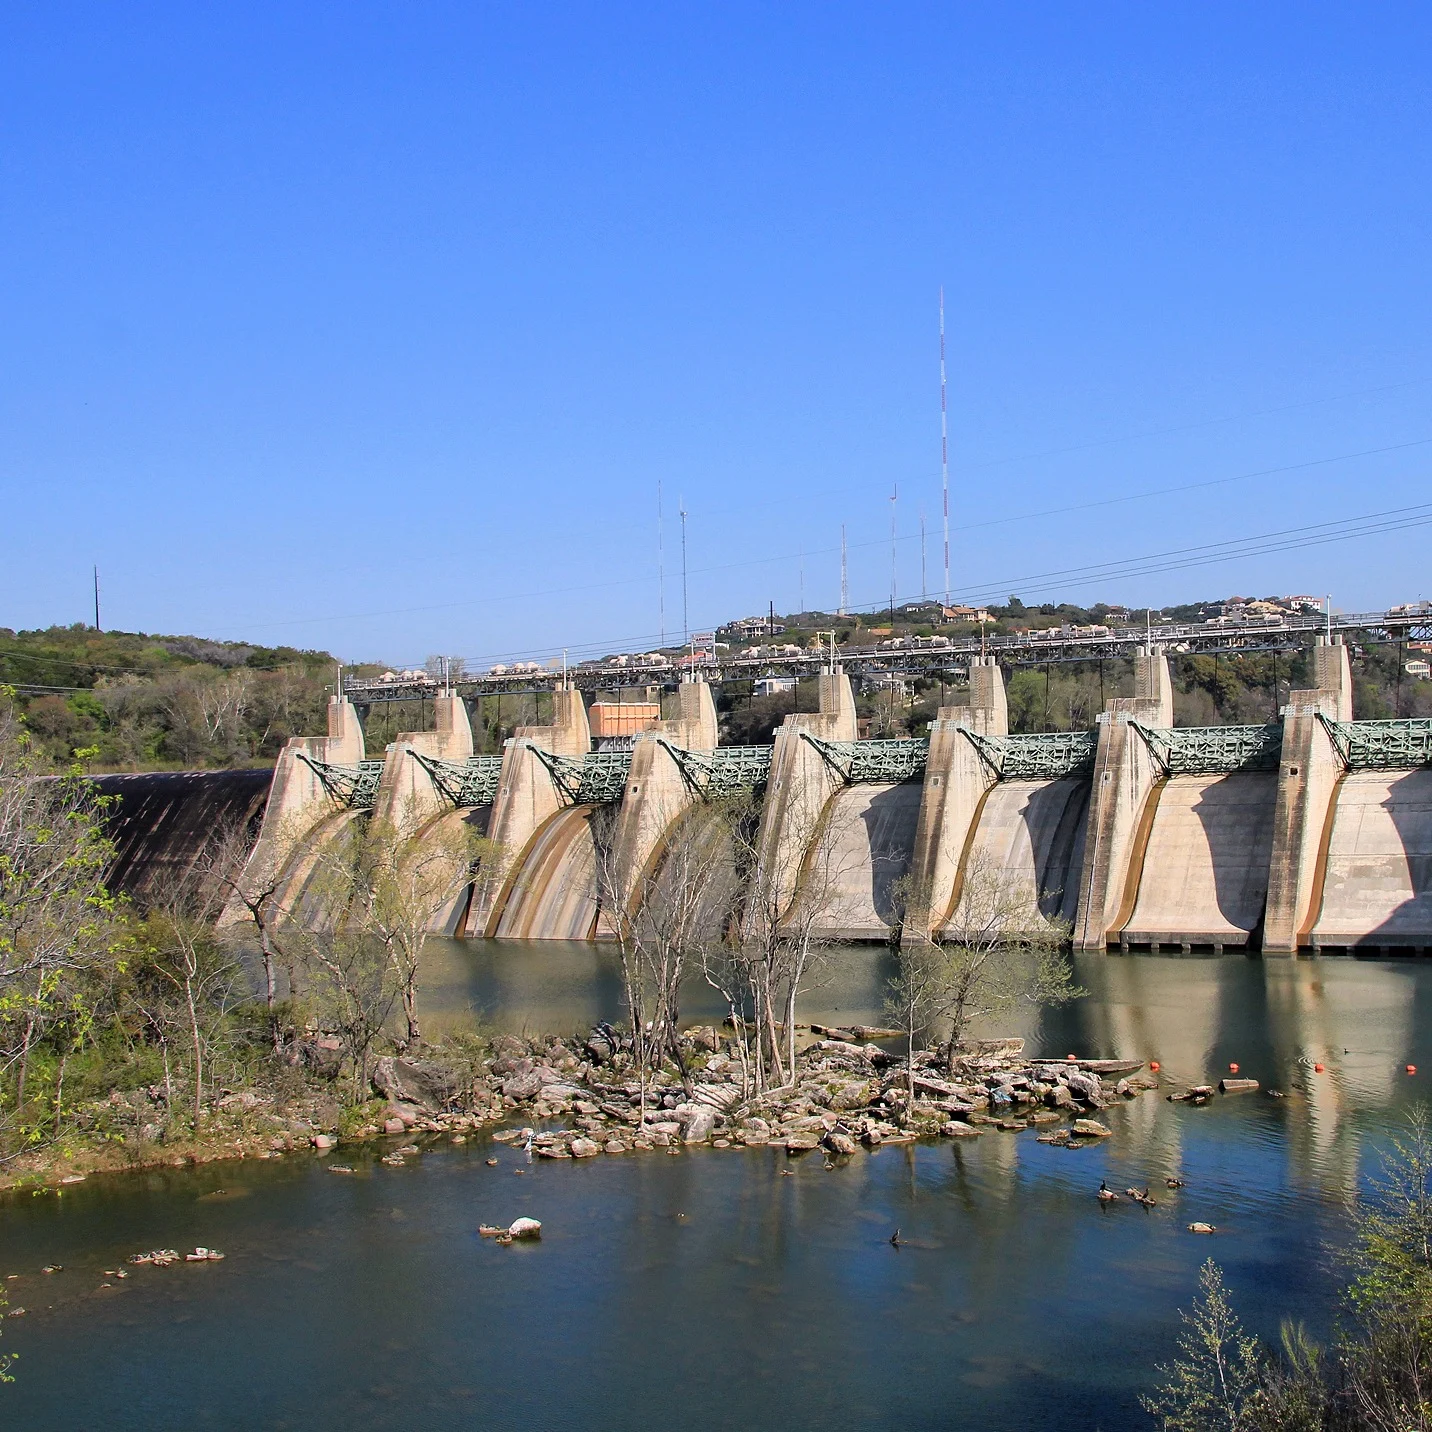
(1034, 648)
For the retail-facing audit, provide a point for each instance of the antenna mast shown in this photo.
(894, 501)
(924, 583)
(944, 447)
(97, 626)
(660, 568)
(844, 583)
(685, 618)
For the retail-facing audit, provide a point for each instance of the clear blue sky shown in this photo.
(373, 327)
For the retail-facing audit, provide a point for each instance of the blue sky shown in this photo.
(374, 327)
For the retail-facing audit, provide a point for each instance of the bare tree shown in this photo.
(55, 914)
(185, 958)
(999, 953)
(782, 940)
(381, 885)
(665, 927)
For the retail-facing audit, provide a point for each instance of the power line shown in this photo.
(1287, 539)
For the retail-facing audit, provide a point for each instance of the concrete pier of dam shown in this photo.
(1310, 832)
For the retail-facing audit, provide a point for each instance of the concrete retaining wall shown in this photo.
(866, 842)
(1025, 853)
(554, 894)
(1203, 879)
(1377, 870)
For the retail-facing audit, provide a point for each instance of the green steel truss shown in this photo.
(472, 782)
(1214, 750)
(870, 762)
(723, 771)
(353, 786)
(598, 778)
(1383, 745)
(1040, 755)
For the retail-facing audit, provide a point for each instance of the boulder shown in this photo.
(1090, 1129)
(839, 1143)
(801, 1143)
(412, 1081)
(954, 1129)
(717, 1096)
(1082, 1085)
(323, 1141)
(528, 1083)
(524, 1228)
(394, 1125)
(698, 1121)
(584, 1148)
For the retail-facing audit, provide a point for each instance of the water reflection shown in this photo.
(710, 1285)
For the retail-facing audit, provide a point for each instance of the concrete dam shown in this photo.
(1312, 832)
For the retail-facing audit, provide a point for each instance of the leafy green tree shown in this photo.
(1213, 1384)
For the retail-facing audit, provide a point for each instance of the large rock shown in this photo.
(716, 1096)
(1082, 1085)
(527, 1083)
(1090, 1129)
(584, 1148)
(698, 1122)
(412, 1081)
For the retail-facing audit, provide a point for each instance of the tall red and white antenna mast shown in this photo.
(944, 447)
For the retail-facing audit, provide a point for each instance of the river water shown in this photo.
(707, 1286)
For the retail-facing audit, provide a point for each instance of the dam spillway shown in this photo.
(161, 822)
(1311, 832)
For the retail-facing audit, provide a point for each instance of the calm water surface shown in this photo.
(709, 1288)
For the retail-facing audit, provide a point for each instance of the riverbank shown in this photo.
(846, 1095)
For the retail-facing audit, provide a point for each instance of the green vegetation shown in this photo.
(153, 1033)
(1374, 1374)
(154, 702)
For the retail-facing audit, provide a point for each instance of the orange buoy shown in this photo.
(1317, 1068)
(1411, 1068)
(1232, 1068)
(1154, 1065)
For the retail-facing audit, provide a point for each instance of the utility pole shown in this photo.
(844, 582)
(660, 568)
(97, 626)
(944, 447)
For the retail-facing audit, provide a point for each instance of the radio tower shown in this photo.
(844, 585)
(944, 447)
(660, 567)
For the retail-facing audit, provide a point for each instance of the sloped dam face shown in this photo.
(161, 822)
(1195, 870)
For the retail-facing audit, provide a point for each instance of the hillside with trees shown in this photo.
(162, 702)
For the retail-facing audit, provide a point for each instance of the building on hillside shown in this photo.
(773, 685)
(748, 628)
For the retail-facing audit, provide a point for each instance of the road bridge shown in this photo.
(933, 657)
